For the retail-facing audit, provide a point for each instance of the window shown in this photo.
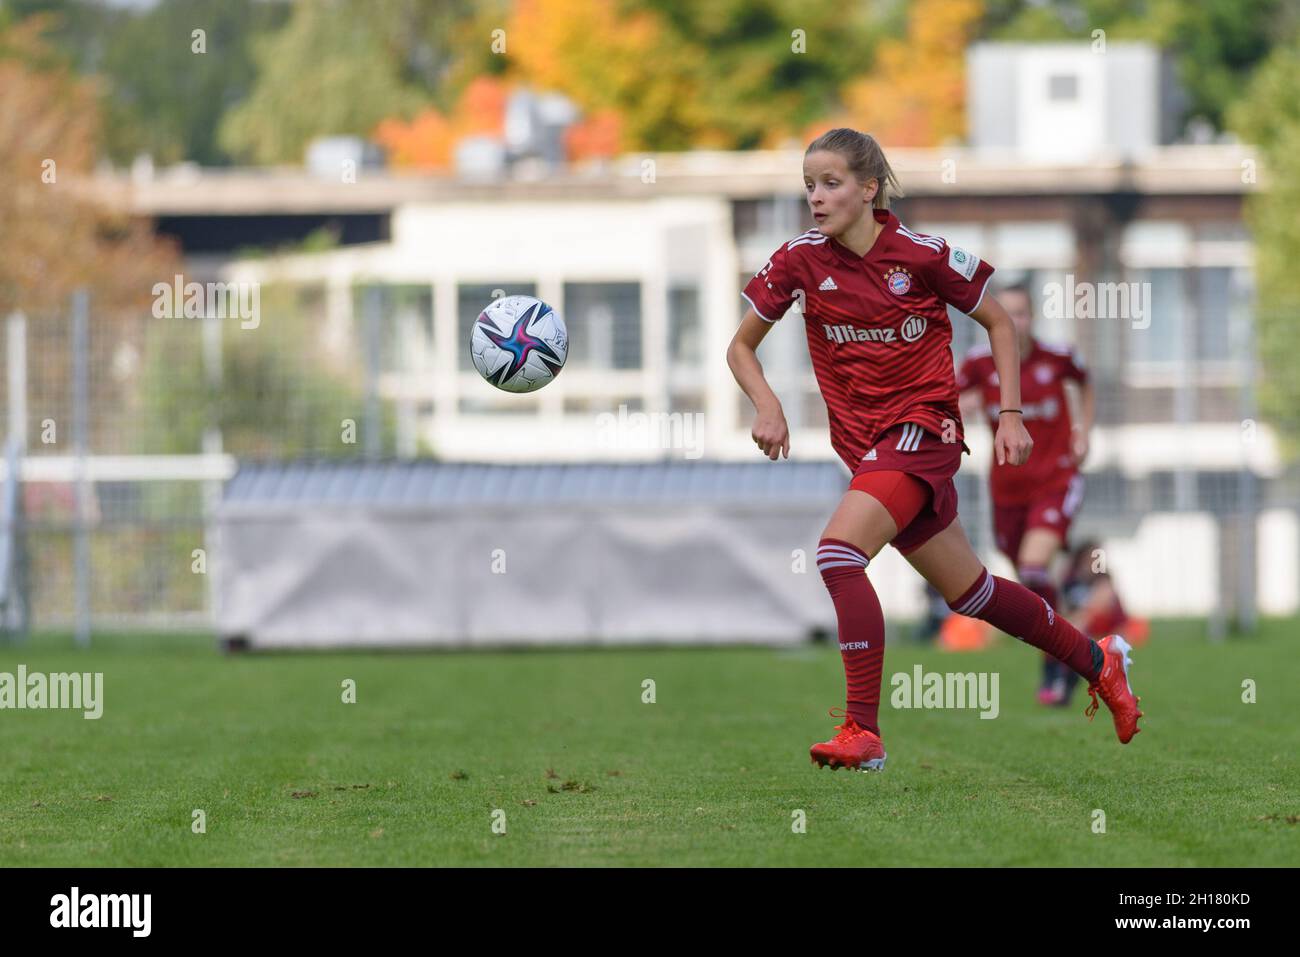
(604, 321)
(405, 330)
(1163, 303)
(769, 220)
(1162, 491)
(595, 405)
(1196, 320)
(686, 402)
(1218, 492)
(494, 402)
(473, 298)
(684, 333)
(1108, 492)
(1020, 244)
(1054, 320)
(1214, 313)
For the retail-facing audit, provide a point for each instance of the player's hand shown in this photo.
(1012, 443)
(1079, 445)
(771, 434)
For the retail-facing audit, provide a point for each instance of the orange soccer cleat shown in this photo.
(1113, 686)
(854, 748)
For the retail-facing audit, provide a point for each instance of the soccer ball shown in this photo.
(519, 343)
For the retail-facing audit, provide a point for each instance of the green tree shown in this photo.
(157, 94)
(1215, 43)
(1268, 115)
(730, 74)
(769, 68)
(78, 29)
(330, 70)
(1219, 43)
(165, 98)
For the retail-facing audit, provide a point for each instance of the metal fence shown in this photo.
(131, 426)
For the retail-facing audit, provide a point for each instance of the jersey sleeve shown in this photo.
(771, 291)
(957, 276)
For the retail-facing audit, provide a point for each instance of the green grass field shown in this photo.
(587, 774)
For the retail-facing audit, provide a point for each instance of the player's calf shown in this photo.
(1015, 609)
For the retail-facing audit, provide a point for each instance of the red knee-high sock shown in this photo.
(861, 627)
(1016, 610)
(1038, 581)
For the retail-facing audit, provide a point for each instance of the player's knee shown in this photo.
(974, 600)
(837, 558)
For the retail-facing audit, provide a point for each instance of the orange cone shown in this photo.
(960, 633)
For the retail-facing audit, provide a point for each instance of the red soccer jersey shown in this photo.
(878, 330)
(1046, 416)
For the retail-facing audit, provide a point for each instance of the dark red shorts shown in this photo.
(909, 448)
(1053, 509)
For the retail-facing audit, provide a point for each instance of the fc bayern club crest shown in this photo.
(899, 280)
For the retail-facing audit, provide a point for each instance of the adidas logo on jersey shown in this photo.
(870, 456)
(827, 284)
(850, 333)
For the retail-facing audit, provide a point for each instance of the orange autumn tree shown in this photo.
(594, 137)
(915, 95)
(423, 142)
(55, 237)
(635, 84)
(428, 140)
(58, 236)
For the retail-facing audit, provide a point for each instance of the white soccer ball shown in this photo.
(519, 343)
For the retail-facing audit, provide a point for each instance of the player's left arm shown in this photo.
(1077, 378)
(1012, 442)
(1081, 431)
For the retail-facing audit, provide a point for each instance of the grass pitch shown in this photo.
(560, 746)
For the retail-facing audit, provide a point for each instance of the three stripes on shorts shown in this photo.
(910, 440)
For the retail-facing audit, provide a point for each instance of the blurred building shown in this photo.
(1070, 179)
(1062, 102)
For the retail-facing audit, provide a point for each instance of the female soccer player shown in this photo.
(872, 295)
(1033, 504)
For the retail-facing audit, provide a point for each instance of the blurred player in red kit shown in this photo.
(873, 299)
(1033, 504)
(1093, 603)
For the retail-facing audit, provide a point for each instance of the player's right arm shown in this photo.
(770, 293)
(770, 431)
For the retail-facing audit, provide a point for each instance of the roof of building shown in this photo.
(188, 190)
